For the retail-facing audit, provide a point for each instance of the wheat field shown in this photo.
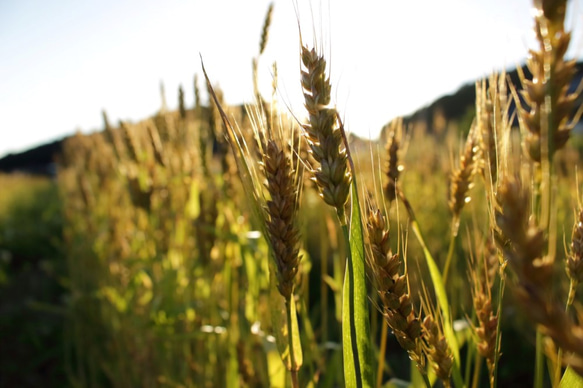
(226, 246)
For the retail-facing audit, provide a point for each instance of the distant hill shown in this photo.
(38, 160)
(452, 107)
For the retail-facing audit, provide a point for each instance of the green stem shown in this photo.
(545, 209)
(572, 291)
(290, 335)
(324, 290)
(348, 316)
(471, 354)
(449, 256)
(426, 380)
(440, 292)
(443, 304)
(477, 369)
(382, 351)
(356, 340)
(494, 378)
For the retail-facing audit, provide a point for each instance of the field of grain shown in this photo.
(220, 246)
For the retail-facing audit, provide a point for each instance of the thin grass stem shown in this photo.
(382, 351)
(290, 335)
(449, 256)
(494, 378)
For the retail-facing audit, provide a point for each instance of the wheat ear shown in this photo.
(549, 102)
(323, 134)
(393, 166)
(392, 288)
(438, 349)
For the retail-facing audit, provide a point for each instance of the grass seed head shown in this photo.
(461, 180)
(521, 240)
(323, 133)
(282, 214)
(549, 103)
(393, 166)
(265, 29)
(482, 281)
(392, 288)
(438, 349)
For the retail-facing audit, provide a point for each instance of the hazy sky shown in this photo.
(63, 61)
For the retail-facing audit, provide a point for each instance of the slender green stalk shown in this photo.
(426, 380)
(494, 379)
(348, 319)
(355, 321)
(290, 310)
(382, 351)
(477, 369)
(472, 352)
(449, 256)
(324, 291)
(572, 291)
(443, 303)
(355, 315)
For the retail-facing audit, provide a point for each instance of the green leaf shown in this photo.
(443, 303)
(356, 340)
(297, 358)
(571, 379)
(285, 324)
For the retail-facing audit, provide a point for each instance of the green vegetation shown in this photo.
(32, 292)
(214, 247)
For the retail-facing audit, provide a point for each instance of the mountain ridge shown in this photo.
(450, 107)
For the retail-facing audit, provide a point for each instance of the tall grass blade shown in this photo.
(285, 324)
(443, 302)
(356, 340)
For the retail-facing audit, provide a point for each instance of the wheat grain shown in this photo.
(392, 288)
(461, 180)
(438, 349)
(549, 102)
(393, 166)
(323, 134)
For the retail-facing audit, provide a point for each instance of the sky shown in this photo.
(64, 61)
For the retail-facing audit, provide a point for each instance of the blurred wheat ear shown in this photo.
(549, 103)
